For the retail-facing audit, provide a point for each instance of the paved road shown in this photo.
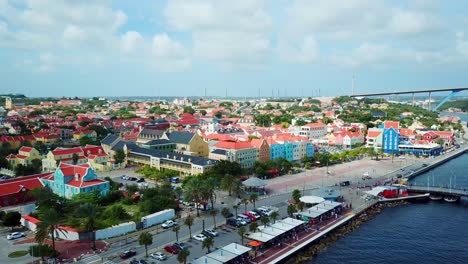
(7, 246)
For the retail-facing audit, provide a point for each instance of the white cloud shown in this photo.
(47, 63)
(233, 32)
(73, 35)
(306, 51)
(131, 41)
(462, 44)
(169, 55)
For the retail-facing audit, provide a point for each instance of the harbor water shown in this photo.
(432, 232)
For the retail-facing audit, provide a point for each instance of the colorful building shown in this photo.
(263, 149)
(70, 180)
(313, 130)
(241, 152)
(25, 157)
(188, 143)
(16, 191)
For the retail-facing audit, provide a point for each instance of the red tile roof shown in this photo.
(15, 185)
(373, 134)
(85, 183)
(392, 124)
(65, 151)
(31, 219)
(318, 124)
(256, 142)
(233, 145)
(25, 149)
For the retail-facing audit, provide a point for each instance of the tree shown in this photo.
(235, 207)
(253, 198)
(219, 114)
(75, 158)
(273, 216)
(89, 212)
(193, 191)
(265, 221)
(296, 195)
(300, 122)
(213, 213)
(189, 222)
(253, 227)
(291, 209)
(145, 239)
(225, 212)
(176, 230)
(189, 109)
(203, 112)
(241, 232)
(119, 156)
(263, 120)
(245, 201)
(12, 219)
(183, 255)
(300, 206)
(440, 142)
(42, 250)
(49, 225)
(208, 243)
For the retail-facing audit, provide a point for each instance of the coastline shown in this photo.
(309, 252)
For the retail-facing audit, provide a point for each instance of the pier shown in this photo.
(439, 190)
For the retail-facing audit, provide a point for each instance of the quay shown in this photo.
(304, 239)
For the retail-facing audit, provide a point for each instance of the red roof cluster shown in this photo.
(16, 185)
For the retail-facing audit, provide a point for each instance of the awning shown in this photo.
(254, 182)
(255, 243)
(311, 199)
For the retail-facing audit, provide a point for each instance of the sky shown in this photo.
(247, 47)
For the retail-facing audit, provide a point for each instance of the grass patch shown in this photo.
(17, 254)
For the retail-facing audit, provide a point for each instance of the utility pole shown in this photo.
(352, 85)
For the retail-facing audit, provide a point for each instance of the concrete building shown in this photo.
(241, 152)
(313, 130)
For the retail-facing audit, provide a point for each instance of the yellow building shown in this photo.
(188, 143)
(25, 157)
(85, 133)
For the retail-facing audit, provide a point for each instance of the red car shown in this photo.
(172, 249)
(127, 254)
(252, 218)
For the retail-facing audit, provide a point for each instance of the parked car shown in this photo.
(250, 216)
(142, 184)
(174, 180)
(180, 245)
(255, 214)
(345, 183)
(172, 249)
(212, 232)
(124, 177)
(141, 180)
(244, 218)
(169, 223)
(199, 237)
(234, 222)
(15, 235)
(159, 256)
(128, 254)
(265, 211)
(132, 179)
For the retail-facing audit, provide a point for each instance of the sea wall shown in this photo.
(307, 253)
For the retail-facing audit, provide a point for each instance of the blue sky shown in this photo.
(181, 47)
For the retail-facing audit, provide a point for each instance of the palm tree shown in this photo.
(208, 243)
(241, 232)
(300, 206)
(273, 216)
(145, 239)
(225, 212)
(89, 213)
(265, 221)
(194, 191)
(253, 227)
(176, 230)
(291, 209)
(189, 222)
(296, 195)
(213, 213)
(245, 201)
(48, 226)
(253, 198)
(235, 207)
(183, 255)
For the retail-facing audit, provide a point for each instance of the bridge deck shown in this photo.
(440, 190)
(413, 91)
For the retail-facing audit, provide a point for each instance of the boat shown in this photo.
(451, 199)
(435, 197)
